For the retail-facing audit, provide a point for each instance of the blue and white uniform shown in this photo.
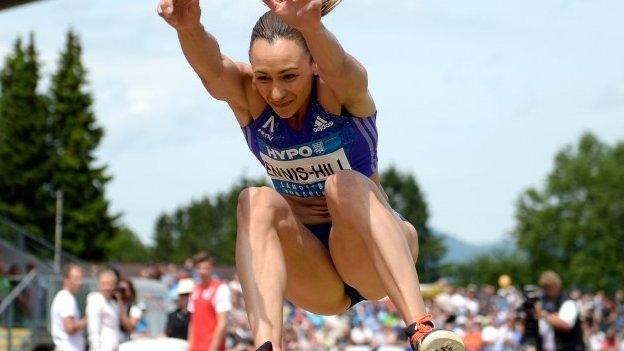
(299, 161)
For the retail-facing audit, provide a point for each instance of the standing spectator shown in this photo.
(178, 320)
(67, 326)
(129, 313)
(103, 314)
(209, 304)
(560, 325)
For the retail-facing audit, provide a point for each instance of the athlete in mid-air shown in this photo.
(324, 237)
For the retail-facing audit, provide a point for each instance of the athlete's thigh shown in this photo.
(351, 257)
(312, 280)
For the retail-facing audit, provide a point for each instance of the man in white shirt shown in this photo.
(103, 314)
(67, 326)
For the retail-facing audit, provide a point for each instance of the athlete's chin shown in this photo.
(285, 116)
(285, 113)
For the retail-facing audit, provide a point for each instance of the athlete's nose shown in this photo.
(277, 93)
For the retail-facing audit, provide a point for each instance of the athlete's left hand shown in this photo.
(300, 14)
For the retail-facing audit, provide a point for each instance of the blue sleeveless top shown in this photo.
(299, 162)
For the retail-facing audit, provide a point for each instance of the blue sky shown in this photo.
(474, 98)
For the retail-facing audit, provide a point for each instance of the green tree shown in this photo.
(87, 224)
(207, 224)
(487, 268)
(575, 224)
(24, 155)
(165, 239)
(126, 246)
(407, 199)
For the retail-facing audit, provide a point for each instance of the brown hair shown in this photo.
(131, 288)
(202, 256)
(67, 270)
(270, 27)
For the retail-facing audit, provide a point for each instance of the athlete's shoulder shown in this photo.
(361, 106)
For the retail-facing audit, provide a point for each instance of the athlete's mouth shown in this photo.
(282, 104)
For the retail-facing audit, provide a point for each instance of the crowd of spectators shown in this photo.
(486, 317)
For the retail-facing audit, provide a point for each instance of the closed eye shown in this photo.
(289, 76)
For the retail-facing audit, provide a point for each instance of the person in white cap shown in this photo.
(178, 320)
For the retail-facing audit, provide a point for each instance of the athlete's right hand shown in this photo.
(180, 14)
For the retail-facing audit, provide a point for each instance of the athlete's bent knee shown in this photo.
(346, 185)
(258, 202)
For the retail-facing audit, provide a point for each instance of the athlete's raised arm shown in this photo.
(345, 76)
(224, 79)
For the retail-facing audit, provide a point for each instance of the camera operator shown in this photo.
(531, 339)
(560, 325)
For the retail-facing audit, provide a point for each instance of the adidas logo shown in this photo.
(320, 124)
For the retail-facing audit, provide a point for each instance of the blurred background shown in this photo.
(501, 139)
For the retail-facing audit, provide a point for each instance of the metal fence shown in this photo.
(22, 247)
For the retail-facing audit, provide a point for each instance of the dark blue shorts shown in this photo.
(321, 231)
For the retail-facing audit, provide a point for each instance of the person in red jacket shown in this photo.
(208, 305)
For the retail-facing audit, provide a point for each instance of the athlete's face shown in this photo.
(282, 74)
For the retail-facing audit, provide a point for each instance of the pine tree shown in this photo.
(87, 224)
(24, 153)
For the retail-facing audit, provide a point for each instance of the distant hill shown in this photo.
(460, 251)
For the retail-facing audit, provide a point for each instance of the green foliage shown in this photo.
(87, 225)
(208, 224)
(406, 198)
(24, 155)
(125, 246)
(48, 143)
(575, 225)
(486, 268)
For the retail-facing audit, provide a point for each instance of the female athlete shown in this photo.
(324, 237)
